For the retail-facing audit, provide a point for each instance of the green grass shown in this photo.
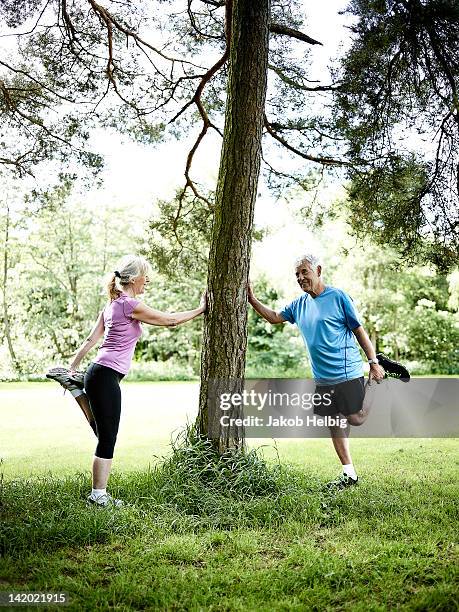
(44, 432)
(197, 536)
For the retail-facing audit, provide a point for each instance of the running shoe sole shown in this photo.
(61, 375)
(393, 368)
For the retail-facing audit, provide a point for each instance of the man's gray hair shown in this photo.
(312, 259)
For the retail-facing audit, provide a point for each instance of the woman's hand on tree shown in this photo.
(203, 302)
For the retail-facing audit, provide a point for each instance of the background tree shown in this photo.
(273, 351)
(56, 258)
(9, 253)
(397, 108)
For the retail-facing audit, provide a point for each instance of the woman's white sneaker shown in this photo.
(61, 375)
(105, 501)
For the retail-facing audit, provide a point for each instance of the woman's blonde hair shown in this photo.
(126, 271)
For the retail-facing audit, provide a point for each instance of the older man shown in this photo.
(329, 324)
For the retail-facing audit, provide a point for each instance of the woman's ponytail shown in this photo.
(114, 288)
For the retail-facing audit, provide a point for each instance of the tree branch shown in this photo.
(39, 83)
(285, 175)
(68, 22)
(279, 127)
(13, 108)
(100, 10)
(325, 161)
(215, 3)
(297, 85)
(17, 163)
(196, 99)
(33, 28)
(278, 28)
(204, 80)
(196, 27)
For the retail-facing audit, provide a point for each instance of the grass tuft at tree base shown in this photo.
(236, 473)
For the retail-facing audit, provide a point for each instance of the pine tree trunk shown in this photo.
(225, 328)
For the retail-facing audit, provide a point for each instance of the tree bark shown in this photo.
(225, 327)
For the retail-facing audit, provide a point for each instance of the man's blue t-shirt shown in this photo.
(326, 323)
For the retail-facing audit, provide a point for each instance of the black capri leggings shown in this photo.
(102, 386)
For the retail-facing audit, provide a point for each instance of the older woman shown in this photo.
(120, 325)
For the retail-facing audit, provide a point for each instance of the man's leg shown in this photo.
(340, 439)
(347, 397)
(329, 406)
(359, 418)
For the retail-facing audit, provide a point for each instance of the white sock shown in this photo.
(349, 470)
(95, 493)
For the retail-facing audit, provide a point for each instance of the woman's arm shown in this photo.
(167, 319)
(96, 333)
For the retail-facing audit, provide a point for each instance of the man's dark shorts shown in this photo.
(345, 398)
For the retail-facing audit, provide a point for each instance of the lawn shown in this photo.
(276, 542)
(44, 431)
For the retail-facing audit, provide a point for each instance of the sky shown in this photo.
(139, 175)
(144, 173)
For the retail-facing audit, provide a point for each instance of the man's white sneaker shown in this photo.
(105, 501)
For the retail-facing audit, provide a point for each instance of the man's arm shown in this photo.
(376, 371)
(268, 314)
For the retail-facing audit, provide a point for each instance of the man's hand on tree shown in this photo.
(250, 294)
